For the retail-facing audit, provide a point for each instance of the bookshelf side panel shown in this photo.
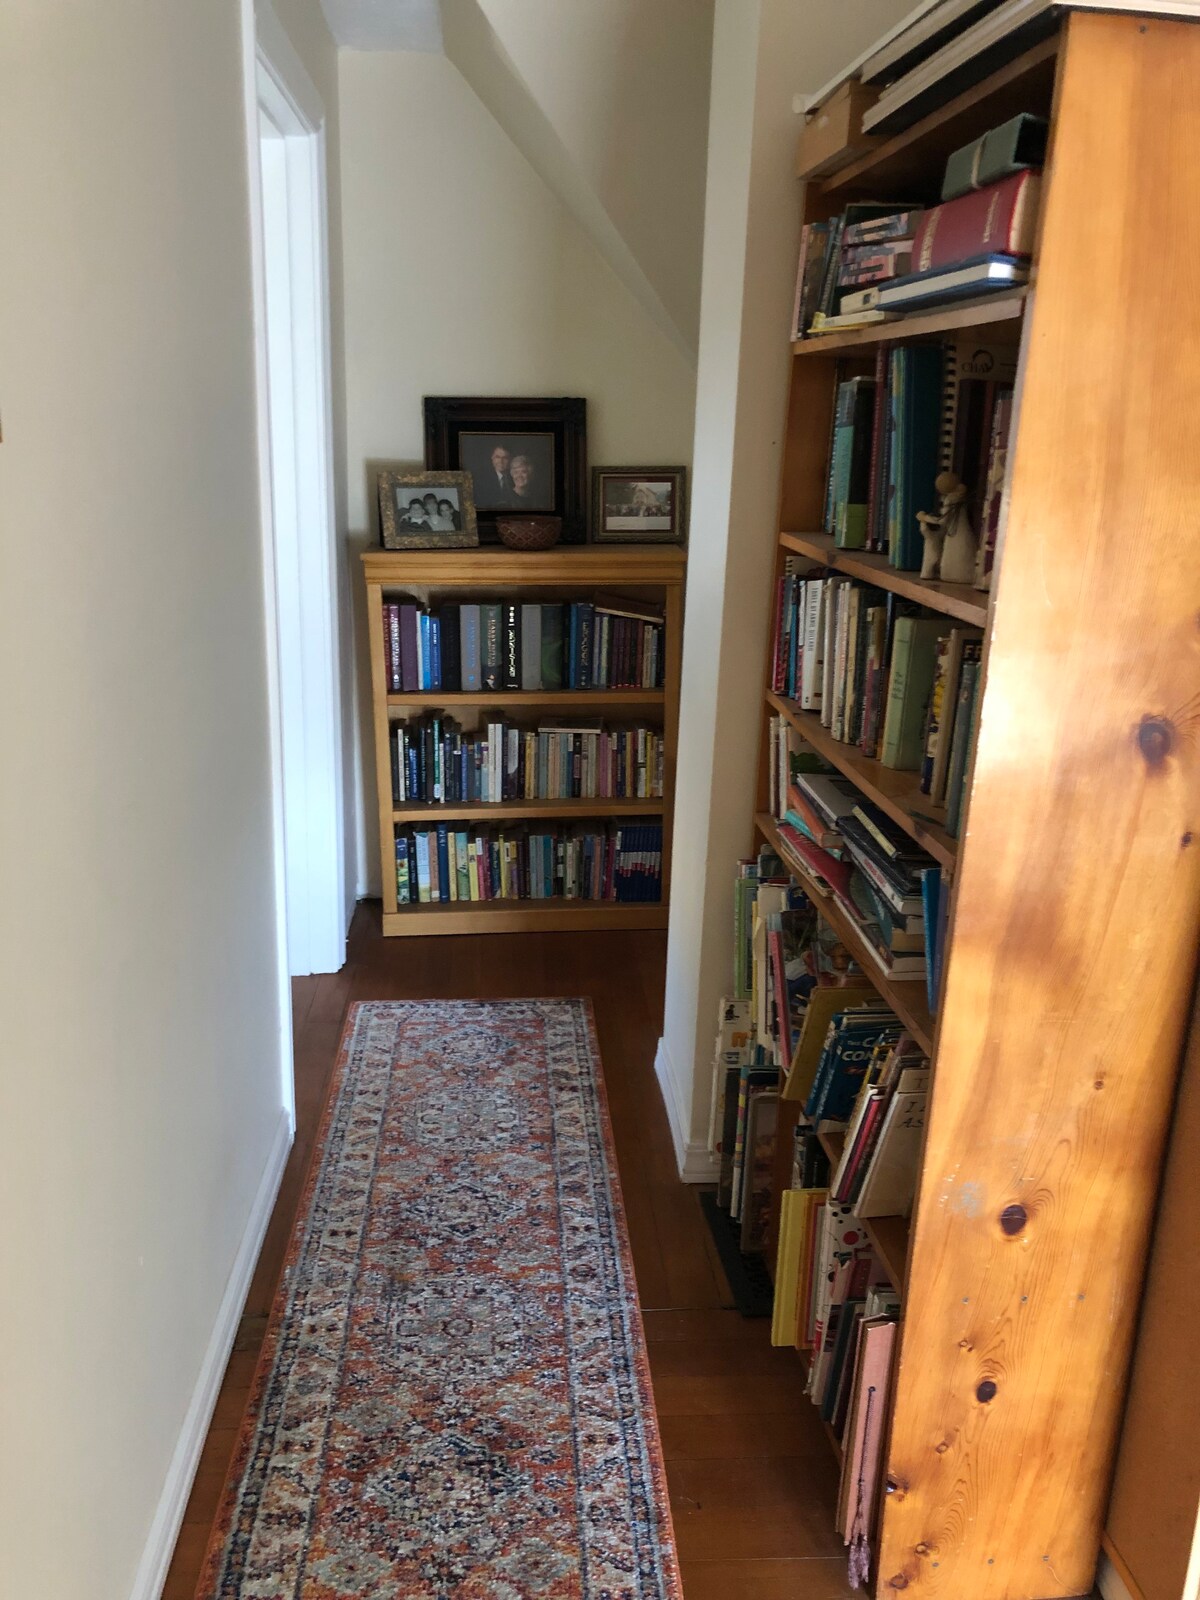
(1074, 940)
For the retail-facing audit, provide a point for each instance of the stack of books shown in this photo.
(611, 642)
(443, 864)
(435, 761)
(879, 260)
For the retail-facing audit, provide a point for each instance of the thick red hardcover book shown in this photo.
(998, 220)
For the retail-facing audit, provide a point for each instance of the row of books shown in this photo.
(442, 864)
(881, 259)
(900, 686)
(435, 761)
(835, 1303)
(928, 409)
(606, 643)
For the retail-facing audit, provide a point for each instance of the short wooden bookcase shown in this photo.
(644, 572)
(1076, 877)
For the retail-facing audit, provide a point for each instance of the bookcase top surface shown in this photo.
(656, 564)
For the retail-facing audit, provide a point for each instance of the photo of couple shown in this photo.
(510, 472)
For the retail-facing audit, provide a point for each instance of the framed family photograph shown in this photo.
(639, 505)
(427, 511)
(522, 456)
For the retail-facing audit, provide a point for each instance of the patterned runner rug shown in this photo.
(453, 1401)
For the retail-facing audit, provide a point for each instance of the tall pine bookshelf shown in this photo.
(1075, 874)
(433, 578)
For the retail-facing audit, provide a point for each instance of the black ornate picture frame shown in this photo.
(544, 438)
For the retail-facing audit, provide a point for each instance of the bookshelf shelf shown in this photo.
(522, 916)
(499, 698)
(896, 793)
(435, 578)
(907, 1000)
(518, 810)
(951, 599)
(1002, 307)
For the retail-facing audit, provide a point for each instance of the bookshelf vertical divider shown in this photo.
(648, 572)
(1072, 944)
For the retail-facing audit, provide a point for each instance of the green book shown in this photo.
(852, 461)
(960, 748)
(914, 654)
(552, 647)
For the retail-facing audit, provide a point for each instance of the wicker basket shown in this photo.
(529, 533)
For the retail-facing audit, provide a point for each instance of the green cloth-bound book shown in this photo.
(914, 653)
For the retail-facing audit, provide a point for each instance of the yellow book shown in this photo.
(822, 1004)
(814, 1199)
(783, 1320)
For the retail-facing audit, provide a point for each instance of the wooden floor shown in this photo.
(751, 1476)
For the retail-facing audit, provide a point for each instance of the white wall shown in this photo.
(625, 86)
(141, 1061)
(465, 275)
(764, 53)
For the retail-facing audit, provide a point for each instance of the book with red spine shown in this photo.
(998, 220)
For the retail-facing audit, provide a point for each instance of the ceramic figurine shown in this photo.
(950, 542)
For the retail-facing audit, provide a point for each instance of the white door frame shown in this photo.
(286, 139)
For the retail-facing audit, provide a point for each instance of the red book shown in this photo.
(777, 654)
(998, 220)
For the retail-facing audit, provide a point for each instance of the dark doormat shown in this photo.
(749, 1281)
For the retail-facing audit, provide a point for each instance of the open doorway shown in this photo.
(300, 553)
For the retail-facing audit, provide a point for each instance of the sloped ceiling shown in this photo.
(608, 102)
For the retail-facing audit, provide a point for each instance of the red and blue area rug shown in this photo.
(454, 1400)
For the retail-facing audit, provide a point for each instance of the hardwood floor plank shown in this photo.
(772, 1579)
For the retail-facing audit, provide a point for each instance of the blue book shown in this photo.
(443, 862)
(469, 644)
(461, 862)
(586, 629)
(435, 652)
(424, 651)
(424, 880)
(916, 444)
(931, 893)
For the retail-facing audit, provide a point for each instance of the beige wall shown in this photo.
(464, 275)
(624, 85)
(764, 53)
(142, 1079)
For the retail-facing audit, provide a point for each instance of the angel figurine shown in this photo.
(950, 542)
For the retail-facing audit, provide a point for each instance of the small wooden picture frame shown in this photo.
(639, 505)
(427, 511)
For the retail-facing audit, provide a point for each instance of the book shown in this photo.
(755, 1208)
(873, 230)
(916, 379)
(531, 648)
(932, 891)
(510, 645)
(471, 660)
(1020, 142)
(890, 1181)
(852, 458)
(865, 1427)
(814, 237)
(995, 477)
(999, 220)
(941, 284)
(914, 652)
(963, 643)
(962, 741)
(491, 648)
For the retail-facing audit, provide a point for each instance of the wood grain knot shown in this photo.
(1155, 736)
(922, 1549)
(898, 1582)
(1186, 840)
(985, 1392)
(942, 1448)
(1013, 1219)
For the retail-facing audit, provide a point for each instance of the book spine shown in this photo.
(472, 673)
(998, 220)
(586, 626)
(510, 645)
(451, 648)
(490, 623)
(879, 402)
(410, 677)
(531, 648)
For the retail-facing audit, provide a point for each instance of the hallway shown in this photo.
(751, 1477)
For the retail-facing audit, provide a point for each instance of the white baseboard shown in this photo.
(692, 1156)
(1109, 1581)
(164, 1529)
